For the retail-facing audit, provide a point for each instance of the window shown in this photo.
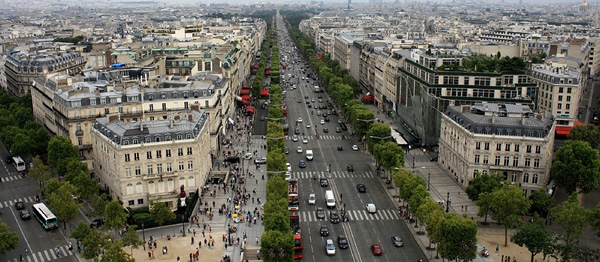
(527, 162)
(515, 161)
(560, 98)
(149, 155)
(127, 159)
(538, 149)
(475, 172)
(478, 145)
(189, 150)
(128, 172)
(497, 161)
(136, 156)
(477, 159)
(138, 171)
(517, 147)
(150, 171)
(569, 90)
(507, 147)
(180, 151)
(528, 148)
(487, 146)
(568, 98)
(485, 172)
(159, 169)
(534, 180)
(169, 168)
(560, 90)
(106, 110)
(151, 108)
(486, 160)
(536, 163)
(499, 147)
(168, 152)
(190, 165)
(513, 178)
(158, 154)
(526, 178)
(131, 202)
(180, 165)
(80, 141)
(179, 137)
(140, 201)
(559, 106)
(506, 160)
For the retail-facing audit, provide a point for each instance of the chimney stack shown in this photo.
(142, 126)
(171, 123)
(494, 118)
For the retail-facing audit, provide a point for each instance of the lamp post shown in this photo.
(448, 202)
(428, 180)
(143, 232)
(183, 224)
(413, 162)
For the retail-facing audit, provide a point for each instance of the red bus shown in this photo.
(286, 129)
(297, 246)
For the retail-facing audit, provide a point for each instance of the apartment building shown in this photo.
(488, 138)
(342, 47)
(156, 160)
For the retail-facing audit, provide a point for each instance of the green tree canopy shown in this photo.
(586, 133)
(9, 239)
(458, 238)
(541, 202)
(508, 204)
(40, 171)
(576, 167)
(378, 133)
(571, 217)
(277, 246)
(161, 213)
(60, 148)
(389, 155)
(483, 183)
(62, 202)
(535, 237)
(131, 239)
(114, 216)
(113, 252)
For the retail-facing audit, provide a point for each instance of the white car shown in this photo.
(371, 208)
(299, 150)
(322, 122)
(295, 138)
(305, 141)
(307, 125)
(299, 120)
(289, 167)
(355, 147)
(312, 199)
(330, 247)
(288, 176)
(248, 156)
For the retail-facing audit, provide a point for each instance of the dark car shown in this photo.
(9, 159)
(262, 118)
(324, 182)
(325, 130)
(320, 213)
(342, 242)
(324, 231)
(326, 119)
(333, 112)
(361, 188)
(286, 150)
(25, 215)
(397, 241)
(334, 217)
(297, 131)
(340, 148)
(376, 249)
(97, 223)
(350, 168)
(344, 127)
(20, 205)
(302, 164)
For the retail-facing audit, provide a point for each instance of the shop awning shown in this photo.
(264, 92)
(250, 109)
(245, 87)
(245, 102)
(244, 91)
(566, 130)
(246, 97)
(369, 98)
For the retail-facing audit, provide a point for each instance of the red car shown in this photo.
(376, 249)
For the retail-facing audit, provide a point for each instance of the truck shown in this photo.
(295, 225)
(309, 155)
(293, 199)
(317, 89)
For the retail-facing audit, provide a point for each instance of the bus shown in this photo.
(19, 163)
(43, 214)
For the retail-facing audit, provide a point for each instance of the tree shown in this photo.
(277, 221)
(98, 205)
(378, 133)
(81, 231)
(571, 217)
(40, 171)
(276, 161)
(406, 182)
(576, 167)
(22, 145)
(508, 204)
(113, 252)
(161, 213)
(586, 133)
(63, 202)
(60, 148)
(93, 243)
(535, 237)
(484, 203)
(458, 238)
(277, 246)
(541, 202)
(427, 208)
(87, 188)
(131, 239)
(9, 239)
(115, 216)
(483, 183)
(595, 219)
(419, 195)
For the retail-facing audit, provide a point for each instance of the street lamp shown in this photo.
(448, 202)
(143, 232)
(428, 180)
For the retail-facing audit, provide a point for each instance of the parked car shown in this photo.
(97, 223)
(262, 160)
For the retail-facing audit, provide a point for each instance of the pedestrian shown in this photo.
(514, 259)
(194, 230)
(462, 208)
(256, 237)
(225, 245)
(191, 255)
(497, 248)
(192, 240)
(149, 255)
(153, 254)
(178, 259)
(466, 207)
(209, 229)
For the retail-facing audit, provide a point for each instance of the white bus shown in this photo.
(43, 214)
(330, 199)
(19, 163)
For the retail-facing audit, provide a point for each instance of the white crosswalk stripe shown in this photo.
(321, 137)
(9, 203)
(11, 178)
(360, 215)
(332, 174)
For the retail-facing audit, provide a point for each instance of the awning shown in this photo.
(238, 98)
(264, 92)
(244, 91)
(399, 139)
(245, 87)
(245, 102)
(371, 98)
(250, 109)
(566, 130)
(246, 97)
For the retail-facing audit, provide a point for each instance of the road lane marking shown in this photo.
(48, 256)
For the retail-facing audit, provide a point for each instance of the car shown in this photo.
(342, 242)
(289, 167)
(248, 156)
(305, 141)
(286, 150)
(295, 138)
(319, 96)
(225, 142)
(302, 164)
(343, 126)
(361, 188)
(324, 182)
(299, 120)
(322, 121)
(308, 103)
(320, 100)
(350, 168)
(315, 107)
(330, 247)
(397, 241)
(307, 125)
(371, 208)
(297, 131)
(306, 97)
(325, 130)
(97, 223)
(377, 250)
(318, 113)
(340, 121)
(299, 101)
(288, 176)
(340, 148)
(312, 199)
(312, 100)
(20, 205)
(354, 147)
(299, 150)
(262, 118)
(338, 130)
(9, 158)
(324, 230)
(262, 160)
(326, 119)
(324, 114)
(320, 213)
(334, 112)
(24, 214)
(334, 217)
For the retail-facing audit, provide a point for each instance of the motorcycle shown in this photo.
(485, 253)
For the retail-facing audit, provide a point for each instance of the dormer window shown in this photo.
(188, 136)
(185, 94)
(148, 139)
(168, 138)
(179, 137)
(174, 94)
(135, 141)
(125, 142)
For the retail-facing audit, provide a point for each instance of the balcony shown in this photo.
(79, 133)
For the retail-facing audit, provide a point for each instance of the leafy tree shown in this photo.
(161, 213)
(571, 217)
(595, 219)
(93, 243)
(131, 239)
(9, 239)
(277, 221)
(276, 206)
(276, 161)
(63, 203)
(458, 238)
(70, 168)
(87, 188)
(115, 216)
(389, 155)
(378, 133)
(81, 231)
(576, 167)
(586, 133)
(61, 148)
(113, 252)
(541, 202)
(277, 246)
(426, 209)
(276, 188)
(483, 183)
(22, 145)
(98, 205)
(535, 237)
(508, 204)
(418, 196)
(40, 171)
(484, 203)
(406, 182)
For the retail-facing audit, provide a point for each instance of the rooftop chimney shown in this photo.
(523, 120)
(494, 118)
(171, 123)
(142, 126)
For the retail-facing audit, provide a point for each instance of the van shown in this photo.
(19, 163)
(309, 155)
(330, 199)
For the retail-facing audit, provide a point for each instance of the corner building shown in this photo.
(151, 160)
(491, 138)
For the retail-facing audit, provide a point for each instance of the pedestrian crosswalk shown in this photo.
(332, 174)
(354, 215)
(11, 178)
(300, 137)
(46, 255)
(9, 203)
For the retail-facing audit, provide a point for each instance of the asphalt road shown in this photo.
(363, 229)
